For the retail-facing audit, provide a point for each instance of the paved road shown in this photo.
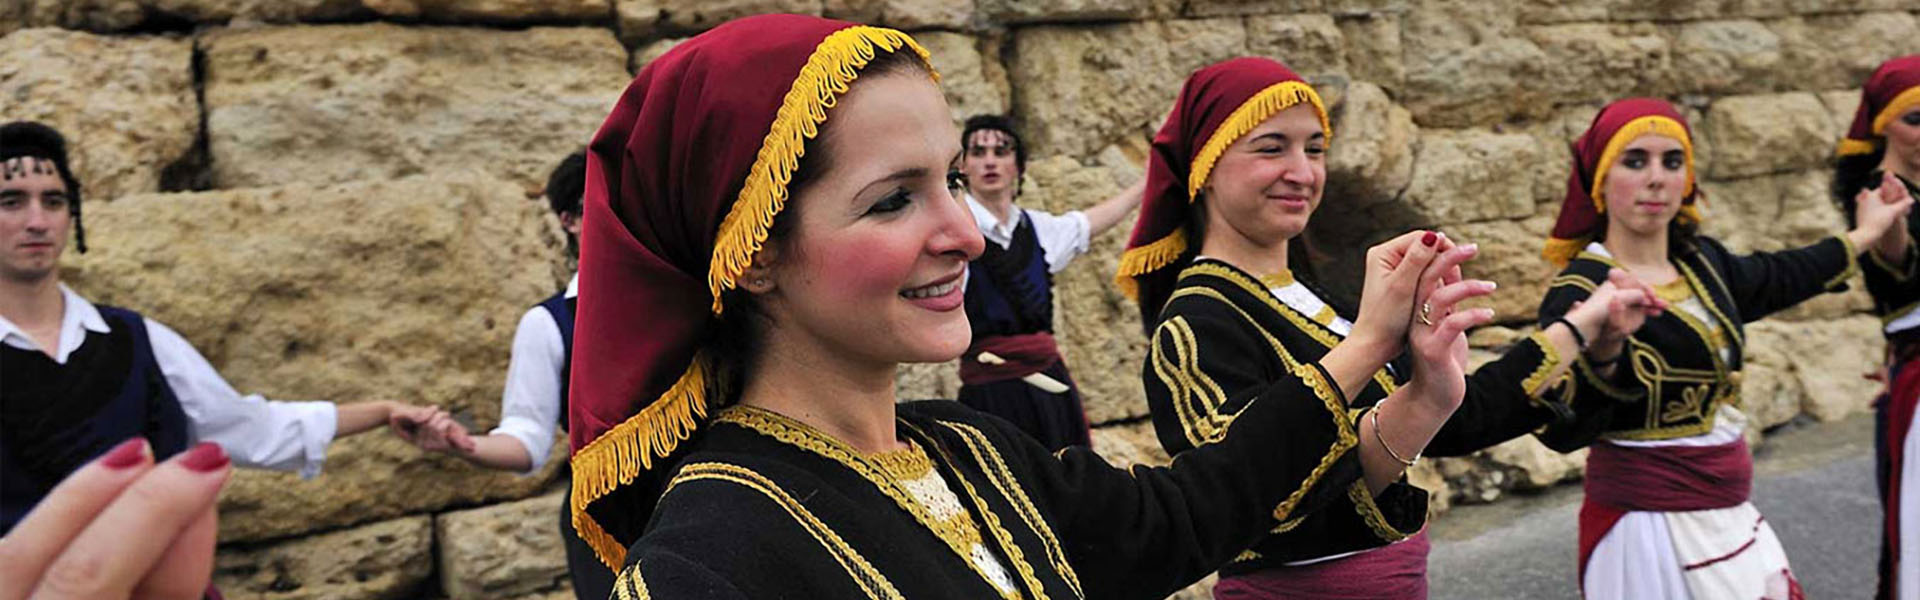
(1814, 483)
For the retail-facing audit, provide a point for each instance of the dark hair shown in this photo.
(39, 141)
(735, 345)
(1003, 125)
(1854, 173)
(567, 182)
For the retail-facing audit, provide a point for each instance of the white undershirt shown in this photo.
(1061, 237)
(530, 402)
(254, 431)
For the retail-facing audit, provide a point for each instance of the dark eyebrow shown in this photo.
(905, 174)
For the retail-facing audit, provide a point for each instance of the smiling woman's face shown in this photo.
(1268, 183)
(1645, 184)
(873, 267)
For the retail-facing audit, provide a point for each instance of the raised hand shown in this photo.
(121, 527)
(1619, 307)
(1876, 212)
(1437, 337)
(1392, 279)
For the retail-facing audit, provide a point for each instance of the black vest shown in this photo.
(561, 307)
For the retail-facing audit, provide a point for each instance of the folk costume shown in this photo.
(1009, 303)
(1891, 93)
(1221, 335)
(1666, 513)
(693, 498)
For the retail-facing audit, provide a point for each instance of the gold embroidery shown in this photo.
(1305, 324)
(1370, 512)
(800, 435)
(1549, 360)
(629, 585)
(1899, 274)
(1692, 399)
(1713, 307)
(1197, 400)
(868, 578)
(1673, 291)
(1853, 263)
(1278, 280)
(1345, 438)
(1573, 280)
(1004, 482)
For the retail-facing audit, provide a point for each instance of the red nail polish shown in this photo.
(127, 454)
(204, 457)
(1429, 238)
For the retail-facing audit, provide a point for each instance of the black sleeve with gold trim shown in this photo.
(1593, 399)
(1210, 365)
(1506, 399)
(1763, 283)
(1894, 284)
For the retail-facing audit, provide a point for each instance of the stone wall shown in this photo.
(338, 199)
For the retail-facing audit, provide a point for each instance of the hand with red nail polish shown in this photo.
(120, 527)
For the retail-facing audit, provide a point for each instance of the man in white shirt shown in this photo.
(1013, 369)
(534, 401)
(80, 378)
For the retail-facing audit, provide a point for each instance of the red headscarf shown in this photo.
(683, 181)
(1617, 125)
(1893, 89)
(1218, 105)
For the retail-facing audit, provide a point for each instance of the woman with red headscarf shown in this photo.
(1668, 477)
(1880, 159)
(768, 234)
(1238, 169)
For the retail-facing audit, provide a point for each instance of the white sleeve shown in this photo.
(285, 436)
(1062, 237)
(530, 402)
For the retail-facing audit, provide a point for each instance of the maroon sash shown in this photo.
(1025, 354)
(1392, 572)
(1623, 479)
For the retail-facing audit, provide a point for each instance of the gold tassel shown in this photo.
(1149, 258)
(829, 71)
(1561, 251)
(1250, 114)
(618, 456)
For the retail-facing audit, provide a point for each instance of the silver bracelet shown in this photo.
(1375, 415)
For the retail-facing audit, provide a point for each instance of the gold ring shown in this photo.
(1426, 310)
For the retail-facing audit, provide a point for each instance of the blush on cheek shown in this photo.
(853, 267)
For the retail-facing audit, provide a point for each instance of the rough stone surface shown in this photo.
(405, 290)
(1079, 89)
(118, 15)
(1721, 57)
(503, 550)
(385, 560)
(970, 74)
(1770, 133)
(1599, 62)
(1310, 44)
(125, 104)
(1014, 12)
(1370, 160)
(641, 19)
(1468, 63)
(1374, 49)
(1838, 51)
(905, 14)
(1482, 164)
(1509, 256)
(1099, 328)
(494, 11)
(344, 103)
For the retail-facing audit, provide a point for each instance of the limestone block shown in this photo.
(502, 550)
(125, 104)
(1462, 176)
(1727, 57)
(326, 104)
(1841, 50)
(385, 560)
(1764, 134)
(1469, 63)
(1371, 159)
(1081, 88)
(1018, 12)
(905, 14)
(403, 290)
(972, 78)
(1099, 329)
(1597, 62)
(494, 11)
(1312, 45)
(1374, 49)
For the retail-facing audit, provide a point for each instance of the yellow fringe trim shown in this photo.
(1853, 147)
(1250, 114)
(618, 456)
(1643, 126)
(829, 71)
(1900, 104)
(1147, 259)
(1561, 251)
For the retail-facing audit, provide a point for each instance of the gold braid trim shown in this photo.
(1898, 273)
(869, 579)
(1370, 512)
(1345, 438)
(1142, 260)
(1009, 487)
(1250, 114)
(1305, 323)
(631, 585)
(618, 456)
(1853, 261)
(829, 72)
(1549, 360)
